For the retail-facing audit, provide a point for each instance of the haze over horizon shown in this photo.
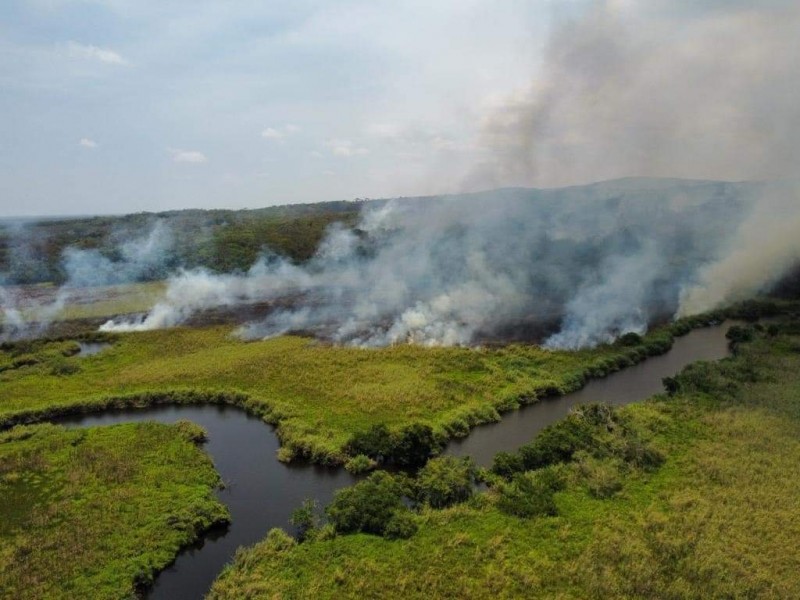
(118, 106)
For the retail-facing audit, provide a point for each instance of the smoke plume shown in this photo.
(584, 264)
(26, 315)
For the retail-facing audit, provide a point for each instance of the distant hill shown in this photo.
(231, 240)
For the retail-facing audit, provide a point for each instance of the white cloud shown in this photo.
(87, 143)
(345, 148)
(271, 133)
(187, 156)
(89, 52)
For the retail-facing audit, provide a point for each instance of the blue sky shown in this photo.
(114, 106)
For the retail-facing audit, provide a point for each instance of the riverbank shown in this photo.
(714, 517)
(318, 396)
(96, 513)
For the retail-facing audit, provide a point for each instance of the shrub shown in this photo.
(402, 525)
(506, 464)
(360, 463)
(376, 442)
(63, 368)
(530, 494)
(602, 476)
(278, 540)
(368, 505)
(304, 518)
(737, 334)
(414, 445)
(191, 431)
(643, 456)
(445, 481)
(557, 443)
(630, 339)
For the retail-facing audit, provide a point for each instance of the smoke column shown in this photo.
(589, 262)
(138, 257)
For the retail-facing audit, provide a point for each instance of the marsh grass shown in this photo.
(319, 396)
(95, 513)
(718, 518)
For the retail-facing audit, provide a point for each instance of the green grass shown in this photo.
(94, 513)
(719, 519)
(317, 394)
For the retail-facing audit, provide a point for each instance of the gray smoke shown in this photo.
(26, 314)
(585, 263)
(661, 88)
(704, 90)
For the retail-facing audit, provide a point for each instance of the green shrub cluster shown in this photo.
(595, 429)
(410, 447)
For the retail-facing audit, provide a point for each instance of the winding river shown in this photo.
(262, 492)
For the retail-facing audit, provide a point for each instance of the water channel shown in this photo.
(262, 492)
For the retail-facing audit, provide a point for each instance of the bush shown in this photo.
(191, 431)
(530, 494)
(506, 464)
(557, 443)
(367, 506)
(640, 455)
(61, 367)
(630, 339)
(602, 476)
(737, 334)
(360, 463)
(376, 442)
(414, 445)
(401, 526)
(445, 481)
(304, 518)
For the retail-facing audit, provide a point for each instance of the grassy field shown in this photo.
(718, 519)
(95, 513)
(318, 395)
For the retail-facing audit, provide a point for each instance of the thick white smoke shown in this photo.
(589, 262)
(136, 257)
(763, 249)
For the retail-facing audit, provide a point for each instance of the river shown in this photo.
(262, 492)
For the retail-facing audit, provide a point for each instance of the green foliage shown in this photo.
(376, 442)
(530, 494)
(305, 519)
(321, 398)
(718, 519)
(739, 335)
(414, 445)
(593, 429)
(402, 525)
(191, 432)
(368, 506)
(630, 339)
(95, 513)
(360, 463)
(445, 481)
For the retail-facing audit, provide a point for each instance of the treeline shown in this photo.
(220, 240)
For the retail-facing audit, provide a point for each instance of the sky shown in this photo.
(117, 106)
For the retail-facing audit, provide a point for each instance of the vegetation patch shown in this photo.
(96, 513)
(593, 514)
(394, 405)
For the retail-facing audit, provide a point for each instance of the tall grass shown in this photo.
(719, 518)
(96, 513)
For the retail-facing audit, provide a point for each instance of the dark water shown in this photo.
(623, 387)
(261, 492)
